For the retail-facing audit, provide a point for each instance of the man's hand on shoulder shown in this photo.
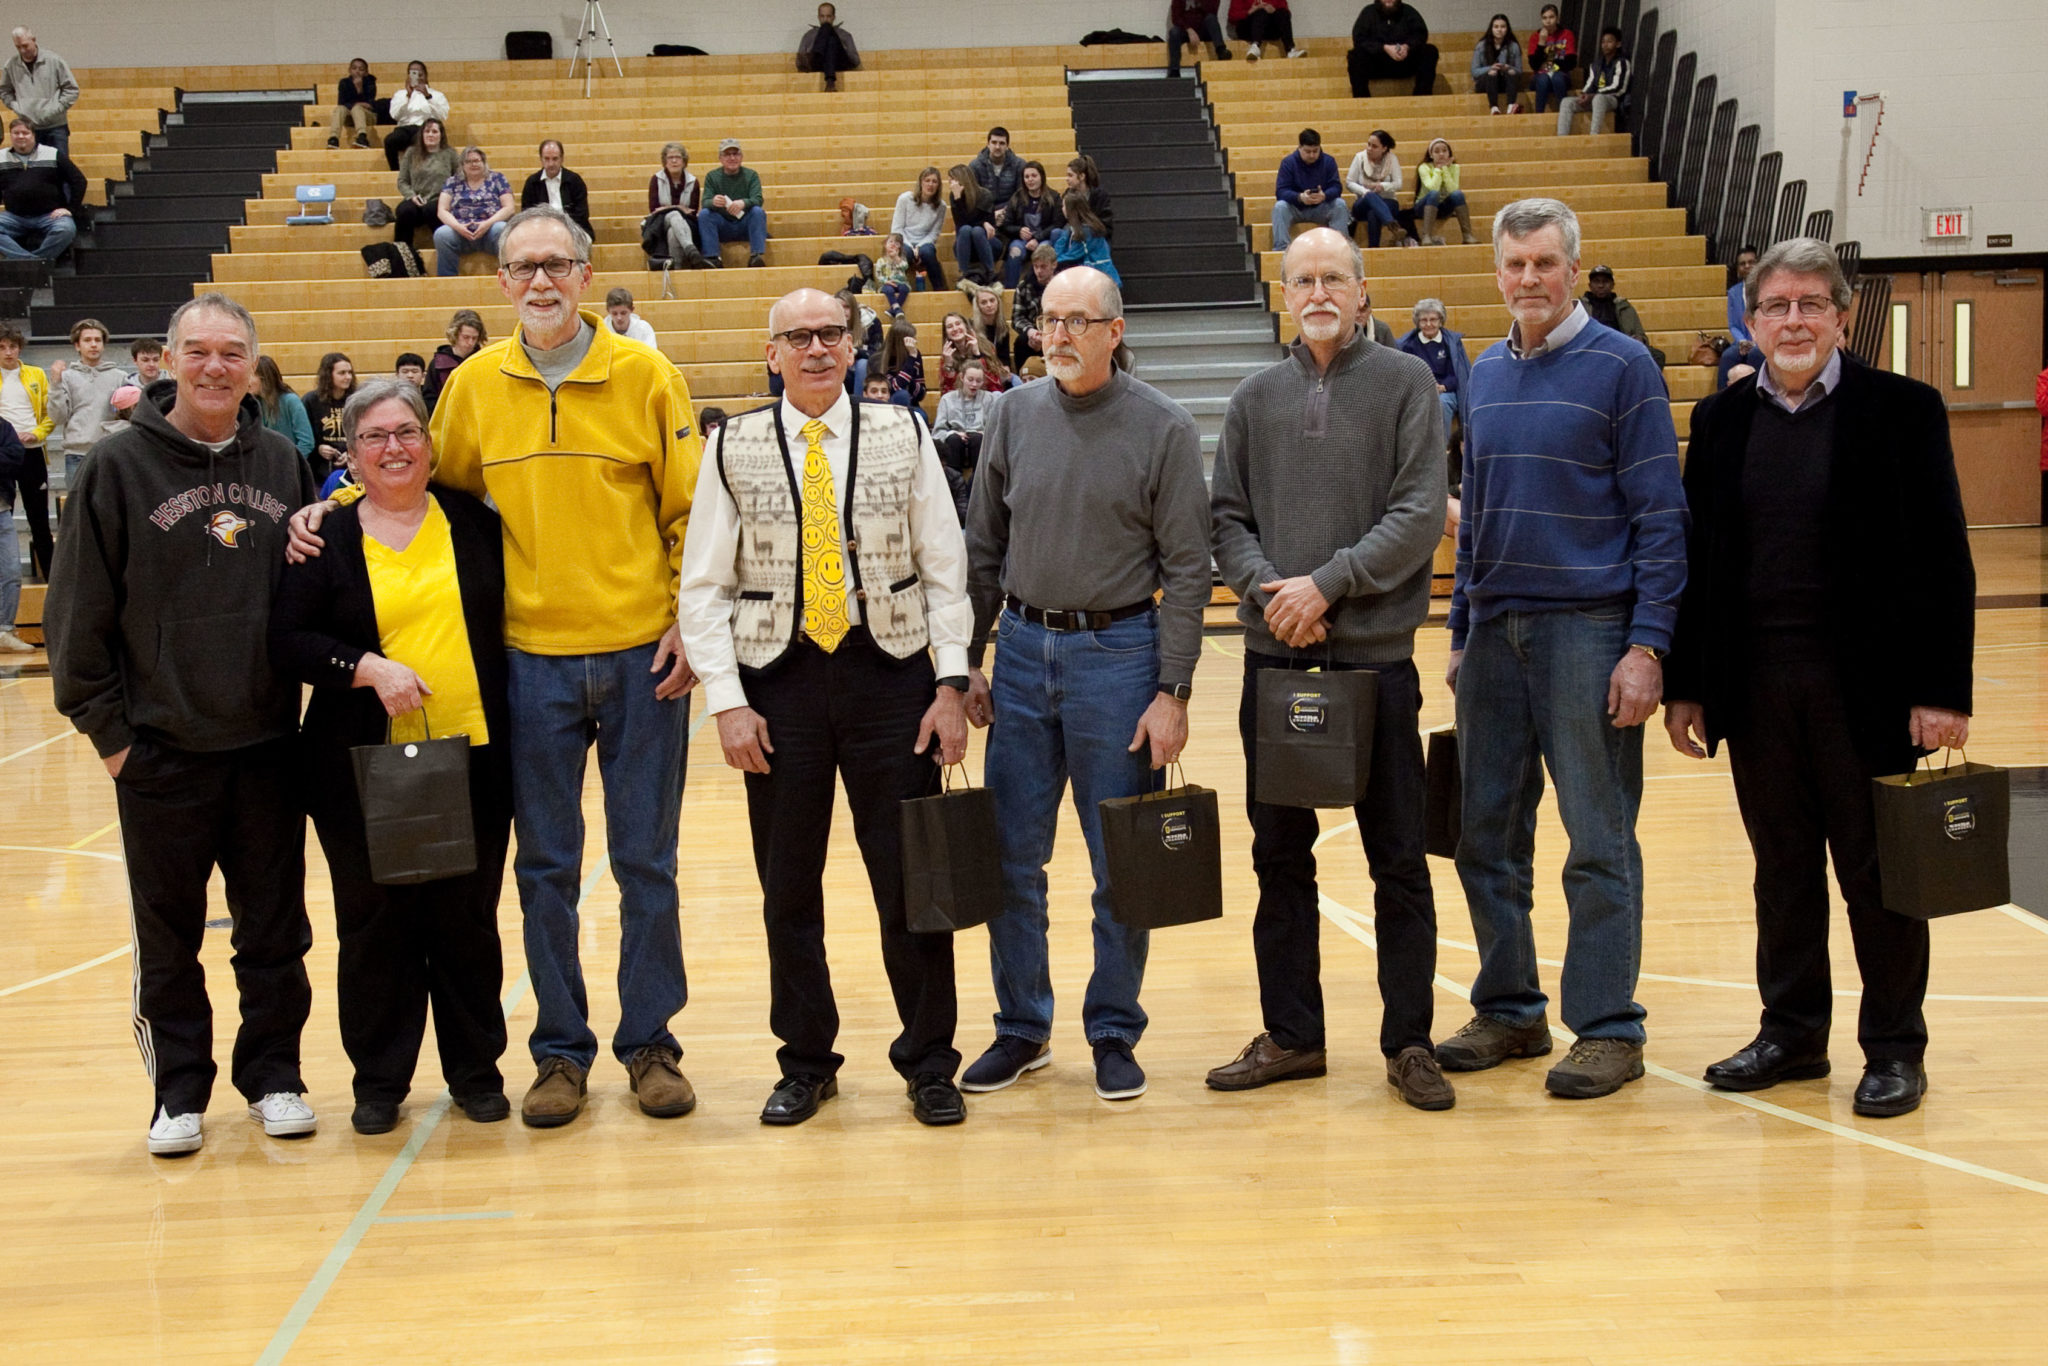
(302, 538)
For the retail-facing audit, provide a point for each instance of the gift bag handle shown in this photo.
(1927, 761)
(427, 730)
(966, 778)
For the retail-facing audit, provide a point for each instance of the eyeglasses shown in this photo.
(1813, 306)
(411, 434)
(557, 267)
(1331, 282)
(800, 338)
(1076, 325)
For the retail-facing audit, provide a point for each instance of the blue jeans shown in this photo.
(926, 271)
(897, 295)
(1532, 691)
(51, 233)
(1067, 704)
(450, 246)
(718, 227)
(58, 136)
(972, 246)
(1449, 403)
(1444, 202)
(1331, 213)
(10, 568)
(559, 704)
(1015, 258)
(1549, 85)
(1376, 212)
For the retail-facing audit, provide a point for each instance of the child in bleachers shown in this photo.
(1083, 242)
(1437, 193)
(892, 274)
(905, 366)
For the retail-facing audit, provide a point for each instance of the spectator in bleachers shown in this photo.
(675, 194)
(333, 384)
(828, 48)
(1738, 360)
(82, 394)
(1083, 175)
(465, 335)
(411, 367)
(1391, 38)
(1437, 193)
(960, 346)
(904, 365)
(733, 206)
(147, 353)
(1738, 321)
(998, 170)
(1375, 177)
(410, 108)
(985, 320)
(1443, 351)
(425, 167)
(892, 274)
(1308, 190)
(42, 192)
(876, 390)
(1553, 52)
(1084, 241)
(709, 421)
(618, 309)
(1607, 78)
(1497, 65)
(557, 186)
(864, 326)
(355, 102)
(1024, 304)
(13, 458)
(25, 406)
(39, 86)
(974, 226)
(956, 430)
(1605, 306)
(473, 209)
(919, 218)
(284, 412)
(1259, 22)
(1193, 22)
(1032, 217)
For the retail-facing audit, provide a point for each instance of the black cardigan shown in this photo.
(1901, 588)
(575, 196)
(324, 619)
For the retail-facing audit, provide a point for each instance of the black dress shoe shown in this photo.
(797, 1098)
(1890, 1088)
(374, 1117)
(934, 1099)
(1763, 1064)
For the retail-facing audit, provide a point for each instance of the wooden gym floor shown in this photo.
(1313, 1222)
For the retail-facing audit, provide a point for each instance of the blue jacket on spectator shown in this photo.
(1296, 176)
(1459, 364)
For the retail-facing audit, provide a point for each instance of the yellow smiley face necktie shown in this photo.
(824, 563)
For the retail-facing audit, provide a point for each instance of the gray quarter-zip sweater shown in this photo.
(1340, 476)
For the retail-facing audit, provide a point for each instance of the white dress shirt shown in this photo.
(553, 185)
(710, 577)
(1574, 323)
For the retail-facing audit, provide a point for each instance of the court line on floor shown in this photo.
(2027, 918)
(443, 1218)
(114, 824)
(71, 971)
(40, 744)
(372, 1211)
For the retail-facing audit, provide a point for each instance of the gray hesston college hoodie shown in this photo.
(159, 605)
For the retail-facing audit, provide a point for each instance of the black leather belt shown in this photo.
(1073, 621)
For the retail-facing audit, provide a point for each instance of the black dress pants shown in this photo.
(408, 218)
(397, 140)
(34, 482)
(831, 54)
(1368, 64)
(853, 713)
(403, 948)
(1264, 26)
(1804, 793)
(1287, 928)
(183, 814)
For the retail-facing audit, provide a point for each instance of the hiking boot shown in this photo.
(1486, 1042)
(663, 1089)
(1415, 1074)
(1595, 1067)
(556, 1096)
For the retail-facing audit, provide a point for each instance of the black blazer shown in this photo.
(323, 620)
(1901, 588)
(575, 196)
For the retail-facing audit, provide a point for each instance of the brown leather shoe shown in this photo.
(663, 1089)
(556, 1096)
(1415, 1074)
(1264, 1062)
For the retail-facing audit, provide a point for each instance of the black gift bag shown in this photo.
(952, 859)
(1315, 736)
(415, 800)
(1165, 854)
(1443, 795)
(1942, 839)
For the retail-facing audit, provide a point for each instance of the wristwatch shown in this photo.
(957, 682)
(1656, 655)
(1179, 692)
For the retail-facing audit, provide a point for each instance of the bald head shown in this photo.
(1084, 289)
(813, 373)
(1323, 278)
(1081, 361)
(801, 302)
(1320, 244)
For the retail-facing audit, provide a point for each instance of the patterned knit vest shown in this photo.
(758, 469)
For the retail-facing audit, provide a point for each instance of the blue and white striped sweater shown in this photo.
(1571, 492)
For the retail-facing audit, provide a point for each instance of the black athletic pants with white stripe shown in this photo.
(183, 814)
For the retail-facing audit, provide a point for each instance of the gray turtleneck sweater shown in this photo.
(1093, 503)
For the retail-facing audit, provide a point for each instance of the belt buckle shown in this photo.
(1056, 620)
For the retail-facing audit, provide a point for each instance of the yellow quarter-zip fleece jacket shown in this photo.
(593, 483)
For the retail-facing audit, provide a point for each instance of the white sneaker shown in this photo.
(284, 1115)
(1298, 52)
(1252, 53)
(14, 644)
(173, 1134)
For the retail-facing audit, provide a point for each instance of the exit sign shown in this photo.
(1947, 224)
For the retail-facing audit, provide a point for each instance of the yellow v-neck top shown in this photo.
(419, 624)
